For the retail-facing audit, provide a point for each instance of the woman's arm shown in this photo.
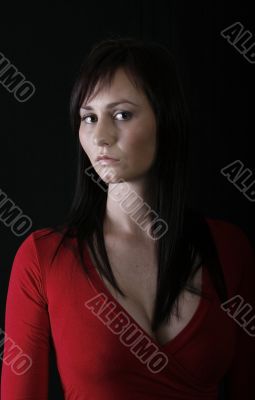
(27, 329)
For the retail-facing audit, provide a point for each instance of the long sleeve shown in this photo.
(27, 329)
(240, 378)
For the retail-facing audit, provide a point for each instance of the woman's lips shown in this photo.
(106, 161)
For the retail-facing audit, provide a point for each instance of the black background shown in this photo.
(47, 43)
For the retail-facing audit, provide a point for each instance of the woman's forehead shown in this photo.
(120, 86)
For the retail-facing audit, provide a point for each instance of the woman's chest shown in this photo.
(135, 270)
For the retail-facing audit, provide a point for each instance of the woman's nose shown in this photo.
(104, 131)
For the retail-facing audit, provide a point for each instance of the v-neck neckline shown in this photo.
(175, 343)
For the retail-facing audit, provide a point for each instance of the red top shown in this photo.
(102, 352)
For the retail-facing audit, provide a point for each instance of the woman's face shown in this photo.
(124, 131)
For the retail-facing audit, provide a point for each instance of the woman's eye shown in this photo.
(123, 113)
(84, 117)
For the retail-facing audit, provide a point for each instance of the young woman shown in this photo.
(140, 294)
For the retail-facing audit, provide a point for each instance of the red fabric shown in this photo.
(102, 352)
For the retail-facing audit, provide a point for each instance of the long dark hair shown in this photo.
(187, 243)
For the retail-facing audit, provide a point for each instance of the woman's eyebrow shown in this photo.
(110, 105)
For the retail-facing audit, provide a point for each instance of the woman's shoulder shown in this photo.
(230, 236)
(44, 245)
(235, 250)
(43, 238)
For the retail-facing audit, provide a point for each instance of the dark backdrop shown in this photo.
(47, 44)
